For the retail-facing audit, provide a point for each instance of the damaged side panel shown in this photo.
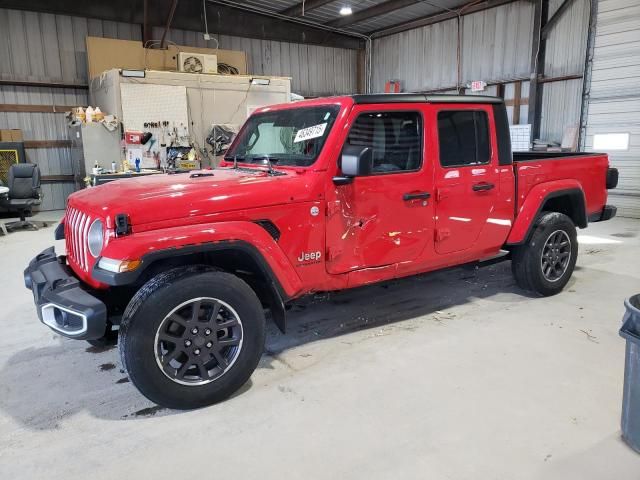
(370, 225)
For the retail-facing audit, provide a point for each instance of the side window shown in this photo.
(395, 137)
(464, 138)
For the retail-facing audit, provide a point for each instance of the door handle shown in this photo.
(416, 196)
(482, 187)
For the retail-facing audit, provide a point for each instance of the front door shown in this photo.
(466, 175)
(387, 217)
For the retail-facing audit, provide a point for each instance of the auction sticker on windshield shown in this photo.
(310, 132)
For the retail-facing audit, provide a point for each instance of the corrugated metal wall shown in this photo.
(496, 43)
(496, 47)
(422, 59)
(565, 55)
(48, 48)
(614, 95)
(51, 48)
(561, 104)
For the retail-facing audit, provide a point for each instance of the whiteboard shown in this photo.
(520, 137)
(143, 103)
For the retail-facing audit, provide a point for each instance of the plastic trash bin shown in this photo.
(631, 397)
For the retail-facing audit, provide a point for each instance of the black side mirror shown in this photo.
(356, 161)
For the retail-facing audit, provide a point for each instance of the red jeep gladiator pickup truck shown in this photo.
(319, 195)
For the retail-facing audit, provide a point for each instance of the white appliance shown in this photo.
(210, 100)
(197, 63)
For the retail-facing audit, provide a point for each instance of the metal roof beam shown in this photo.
(302, 7)
(375, 11)
(225, 18)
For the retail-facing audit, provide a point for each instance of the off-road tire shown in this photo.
(148, 309)
(526, 263)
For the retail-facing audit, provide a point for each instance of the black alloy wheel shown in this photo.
(199, 341)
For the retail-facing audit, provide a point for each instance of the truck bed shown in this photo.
(589, 170)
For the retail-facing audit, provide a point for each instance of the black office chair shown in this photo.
(24, 193)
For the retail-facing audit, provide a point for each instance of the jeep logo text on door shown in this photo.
(309, 257)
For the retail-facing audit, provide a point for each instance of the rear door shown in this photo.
(466, 175)
(387, 217)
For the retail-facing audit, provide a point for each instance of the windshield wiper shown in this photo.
(269, 159)
(235, 159)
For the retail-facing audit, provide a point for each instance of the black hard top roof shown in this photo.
(422, 97)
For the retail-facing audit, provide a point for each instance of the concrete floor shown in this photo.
(454, 375)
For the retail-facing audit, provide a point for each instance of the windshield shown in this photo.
(291, 137)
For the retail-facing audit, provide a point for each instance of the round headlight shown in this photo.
(95, 238)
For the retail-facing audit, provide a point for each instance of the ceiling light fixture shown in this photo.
(346, 11)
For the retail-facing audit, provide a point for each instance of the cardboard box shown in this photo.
(11, 135)
(107, 53)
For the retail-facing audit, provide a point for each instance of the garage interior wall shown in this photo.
(614, 95)
(424, 59)
(314, 70)
(48, 48)
(564, 57)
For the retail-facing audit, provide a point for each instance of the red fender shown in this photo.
(135, 247)
(533, 203)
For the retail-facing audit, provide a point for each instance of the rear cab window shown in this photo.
(394, 137)
(463, 136)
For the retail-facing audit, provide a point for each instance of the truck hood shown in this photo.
(163, 197)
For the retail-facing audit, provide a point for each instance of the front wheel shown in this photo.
(544, 264)
(191, 337)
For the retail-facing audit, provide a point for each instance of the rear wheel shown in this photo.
(544, 264)
(191, 337)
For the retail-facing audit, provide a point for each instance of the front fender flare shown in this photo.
(154, 245)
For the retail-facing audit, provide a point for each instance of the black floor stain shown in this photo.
(124, 380)
(105, 367)
(624, 235)
(94, 349)
(149, 411)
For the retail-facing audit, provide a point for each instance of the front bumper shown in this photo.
(61, 302)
